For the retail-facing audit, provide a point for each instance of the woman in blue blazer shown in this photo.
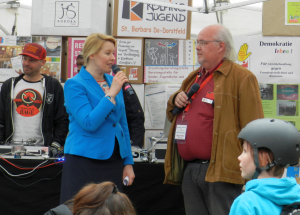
(98, 146)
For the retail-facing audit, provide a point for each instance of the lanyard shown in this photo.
(201, 87)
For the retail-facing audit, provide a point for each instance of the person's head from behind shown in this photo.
(268, 146)
(214, 43)
(101, 199)
(79, 62)
(98, 52)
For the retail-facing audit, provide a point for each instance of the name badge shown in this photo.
(180, 132)
(209, 101)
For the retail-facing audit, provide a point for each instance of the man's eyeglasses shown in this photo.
(204, 42)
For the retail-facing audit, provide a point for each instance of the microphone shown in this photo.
(126, 87)
(195, 87)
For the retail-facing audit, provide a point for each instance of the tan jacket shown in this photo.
(237, 102)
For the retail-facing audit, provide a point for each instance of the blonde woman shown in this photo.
(98, 146)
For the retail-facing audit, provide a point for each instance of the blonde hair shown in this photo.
(94, 43)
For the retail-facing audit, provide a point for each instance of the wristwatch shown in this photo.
(109, 97)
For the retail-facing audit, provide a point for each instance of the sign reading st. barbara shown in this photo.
(66, 14)
(147, 20)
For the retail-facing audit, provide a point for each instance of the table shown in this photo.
(40, 192)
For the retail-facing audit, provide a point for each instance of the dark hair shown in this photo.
(102, 199)
(80, 56)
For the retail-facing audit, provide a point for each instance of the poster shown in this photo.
(168, 61)
(137, 19)
(75, 46)
(292, 12)
(12, 46)
(271, 59)
(156, 97)
(69, 18)
(129, 52)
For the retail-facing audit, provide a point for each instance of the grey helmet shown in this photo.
(281, 137)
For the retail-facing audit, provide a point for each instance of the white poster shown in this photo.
(68, 18)
(147, 20)
(129, 52)
(17, 64)
(156, 97)
(166, 74)
(271, 59)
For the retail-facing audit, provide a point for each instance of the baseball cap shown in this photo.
(35, 51)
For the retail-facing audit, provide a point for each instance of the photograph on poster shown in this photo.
(51, 69)
(266, 91)
(287, 108)
(22, 41)
(161, 52)
(53, 46)
(133, 74)
(287, 92)
(292, 12)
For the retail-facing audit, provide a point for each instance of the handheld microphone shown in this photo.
(127, 87)
(195, 87)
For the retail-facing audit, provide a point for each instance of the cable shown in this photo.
(43, 179)
(30, 168)
(22, 173)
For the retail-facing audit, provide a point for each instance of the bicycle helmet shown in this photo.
(281, 137)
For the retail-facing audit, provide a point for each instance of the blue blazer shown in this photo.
(94, 120)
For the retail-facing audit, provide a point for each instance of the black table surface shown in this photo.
(39, 192)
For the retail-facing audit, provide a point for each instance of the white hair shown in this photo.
(224, 35)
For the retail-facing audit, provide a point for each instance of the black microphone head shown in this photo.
(195, 87)
(115, 68)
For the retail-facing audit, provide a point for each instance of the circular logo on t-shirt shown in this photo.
(28, 102)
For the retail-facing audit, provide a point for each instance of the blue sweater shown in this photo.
(266, 196)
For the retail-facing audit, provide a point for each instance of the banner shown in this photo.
(136, 19)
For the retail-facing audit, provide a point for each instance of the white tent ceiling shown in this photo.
(240, 20)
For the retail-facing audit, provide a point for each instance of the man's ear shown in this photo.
(43, 62)
(222, 46)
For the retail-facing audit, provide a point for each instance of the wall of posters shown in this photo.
(12, 46)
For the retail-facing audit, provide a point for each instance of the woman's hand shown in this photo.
(128, 171)
(117, 83)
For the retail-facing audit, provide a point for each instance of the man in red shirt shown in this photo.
(202, 144)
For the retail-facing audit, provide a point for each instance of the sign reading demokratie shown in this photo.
(147, 20)
(271, 59)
